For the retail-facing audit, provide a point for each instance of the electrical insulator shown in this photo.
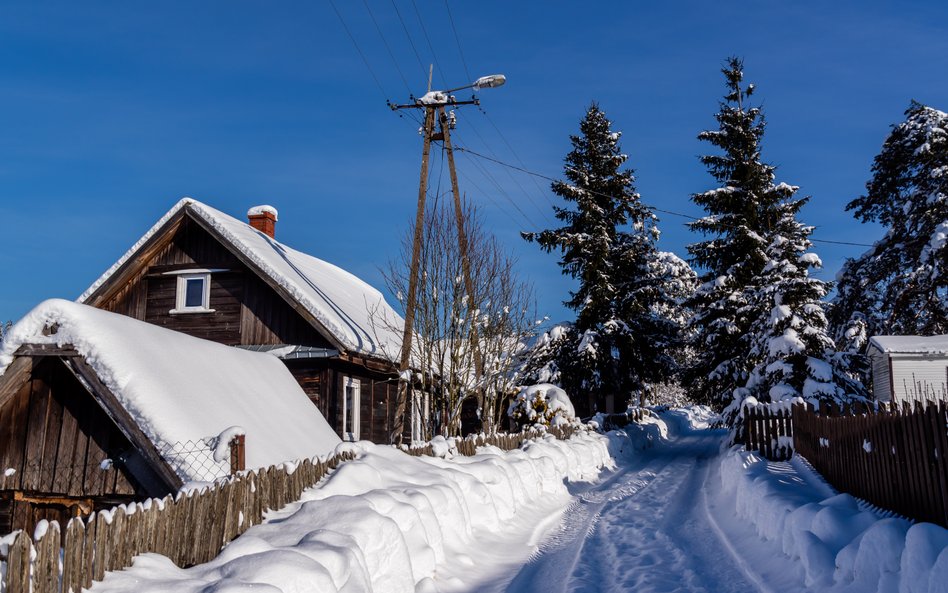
(452, 120)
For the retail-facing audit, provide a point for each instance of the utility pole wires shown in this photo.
(434, 103)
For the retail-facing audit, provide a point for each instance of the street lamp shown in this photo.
(439, 98)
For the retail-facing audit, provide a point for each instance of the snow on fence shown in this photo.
(190, 528)
(895, 457)
(503, 441)
(621, 420)
(769, 430)
(198, 458)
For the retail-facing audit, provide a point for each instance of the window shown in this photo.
(351, 401)
(193, 293)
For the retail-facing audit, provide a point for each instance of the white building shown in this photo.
(907, 368)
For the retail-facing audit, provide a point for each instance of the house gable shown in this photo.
(55, 440)
(246, 309)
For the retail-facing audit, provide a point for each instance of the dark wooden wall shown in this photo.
(246, 309)
(54, 437)
(323, 381)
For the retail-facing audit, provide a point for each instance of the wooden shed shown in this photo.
(98, 409)
(909, 368)
(67, 447)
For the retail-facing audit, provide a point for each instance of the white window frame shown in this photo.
(350, 413)
(182, 291)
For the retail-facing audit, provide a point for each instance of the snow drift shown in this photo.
(385, 522)
(841, 546)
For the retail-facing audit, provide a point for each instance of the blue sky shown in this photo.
(112, 111)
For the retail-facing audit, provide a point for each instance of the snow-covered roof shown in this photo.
(911, 344)
(180, 388)
(354, 312)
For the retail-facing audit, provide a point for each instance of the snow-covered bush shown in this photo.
(544, 404)
(671, 394)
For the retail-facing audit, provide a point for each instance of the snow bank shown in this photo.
(841, 546)
(385, 522)
(690, 418)
(654, 429)
(179, 388)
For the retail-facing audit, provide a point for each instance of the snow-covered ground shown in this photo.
(657, 508)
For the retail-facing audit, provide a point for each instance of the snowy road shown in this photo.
(656, 524)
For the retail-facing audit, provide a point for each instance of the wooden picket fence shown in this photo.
(189, 528)
(893, 456)
(768, 431)
(503, 441)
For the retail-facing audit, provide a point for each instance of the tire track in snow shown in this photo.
(644, 529)
(551, 565)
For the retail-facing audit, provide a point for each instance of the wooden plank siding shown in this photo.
(56, 436)
(246, 310)
(323, 382)
(53, 440)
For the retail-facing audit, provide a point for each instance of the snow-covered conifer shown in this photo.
(621, 340)
(742, 212)
(797, 357)
(900, 284)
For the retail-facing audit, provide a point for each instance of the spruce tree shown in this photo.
(796, 356)
(900, 286)
(742, 212)
(619, 343)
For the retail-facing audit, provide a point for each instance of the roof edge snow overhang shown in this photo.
(284, 294)
(112, 280)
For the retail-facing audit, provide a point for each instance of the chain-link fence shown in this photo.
(195, 459)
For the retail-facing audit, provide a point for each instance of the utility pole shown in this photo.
(434, 103)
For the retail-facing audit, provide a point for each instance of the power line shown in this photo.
(662, 210)
(486, 174)
(458, 41)
(503, 137)
(358, 49)
(467, 72)
(410, 41)
(543, 212)
(434, 56)
(387, 47)
(509, 213)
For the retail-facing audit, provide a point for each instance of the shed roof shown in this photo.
(911, 344)
(352, 311)
(179, 388)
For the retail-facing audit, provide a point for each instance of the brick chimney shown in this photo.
(263, 218)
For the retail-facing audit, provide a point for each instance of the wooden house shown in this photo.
(204, 273)
(98, 409)
(909, 368)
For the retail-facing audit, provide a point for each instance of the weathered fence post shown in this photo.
(18, 564)
(46, 563)
(238, 459)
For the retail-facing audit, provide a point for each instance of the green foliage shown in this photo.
(625, 334)
(899, 286)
